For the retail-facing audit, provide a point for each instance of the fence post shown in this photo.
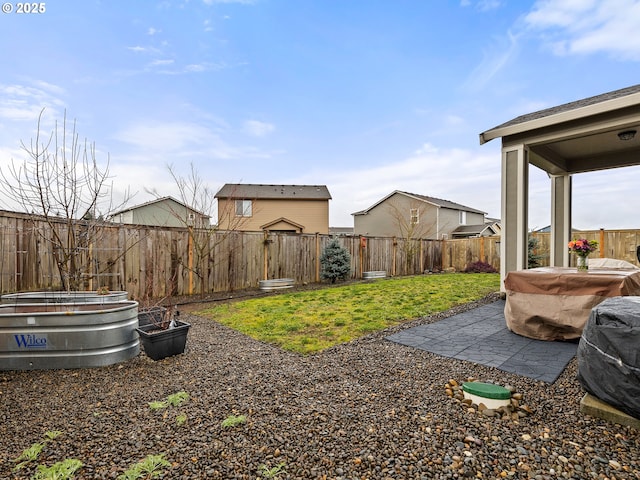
(602, 243)
(482, 258)
(393, 258)
(89, 269)
(265, 255)
(190, 259)
(361, 243)
(317, 257)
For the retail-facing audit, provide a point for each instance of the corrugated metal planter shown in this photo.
(374, 274)
(40, 336)
(64, 297)
(159, 344)
(276, 283)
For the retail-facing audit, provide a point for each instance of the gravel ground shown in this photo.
(369, 409)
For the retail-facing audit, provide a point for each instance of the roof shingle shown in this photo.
(271, 192)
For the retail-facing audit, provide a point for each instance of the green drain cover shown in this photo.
(486, 390)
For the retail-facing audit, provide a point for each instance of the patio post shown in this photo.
(560, 220)
(515, 201)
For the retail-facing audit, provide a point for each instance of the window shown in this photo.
(243, 208)
(463, 217)
(414, 216)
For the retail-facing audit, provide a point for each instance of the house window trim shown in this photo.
(462, 217)
(246, 208)
(414, 216)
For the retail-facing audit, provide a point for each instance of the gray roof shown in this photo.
(271, 192)
(585, 102)
(468, 230)
(434, 201)
(563, 109)
(159, 200)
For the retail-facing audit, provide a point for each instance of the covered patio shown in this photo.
(596, 133)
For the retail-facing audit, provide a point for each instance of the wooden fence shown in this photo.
(155, 262)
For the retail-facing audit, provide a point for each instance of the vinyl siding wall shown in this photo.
(381, 220)
(313, 215)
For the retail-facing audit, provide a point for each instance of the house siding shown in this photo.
(434, 222)
(313, 215)
(166, 213)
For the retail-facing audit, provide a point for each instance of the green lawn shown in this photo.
(312, 320)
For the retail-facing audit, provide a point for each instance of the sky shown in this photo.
(363, 96)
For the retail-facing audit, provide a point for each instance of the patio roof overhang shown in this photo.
(575, 137)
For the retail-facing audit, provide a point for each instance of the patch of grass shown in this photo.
(151, 466)
(62, 470)
(272, 472)
(233, 420)
(313, 320)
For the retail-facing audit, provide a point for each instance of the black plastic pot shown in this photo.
(159, 344)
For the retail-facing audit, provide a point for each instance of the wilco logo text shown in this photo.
(31, 341)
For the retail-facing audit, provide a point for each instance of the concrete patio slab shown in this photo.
(481, 336)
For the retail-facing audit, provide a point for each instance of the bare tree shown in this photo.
(61, 186)
(412, 225)
(205, 237)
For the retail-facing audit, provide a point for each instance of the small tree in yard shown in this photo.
(205, 237)
(534, 258)
(335, 262)
(66, 194)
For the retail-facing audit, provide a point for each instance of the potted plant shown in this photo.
(151, 310)
(151, 315)
(164, 338)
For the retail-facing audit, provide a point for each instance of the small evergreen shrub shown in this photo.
(480, 267)
(534, 259)
(335, 262)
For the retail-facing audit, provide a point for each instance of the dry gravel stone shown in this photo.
(368, 409)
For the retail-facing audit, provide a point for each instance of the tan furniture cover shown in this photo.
(554, 303)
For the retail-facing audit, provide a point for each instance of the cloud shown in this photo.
(243, 2)
(138, 49)
(161, 63)
(483, 5)
(152, 31)
(486, 5)
(463, 176)
(587, 27)
(23, 103)
(257, 128)
(160, 67)
(494, 60)
(570, 27)
(182, 141)
(169, 137)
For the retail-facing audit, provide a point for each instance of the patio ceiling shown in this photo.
(580, 136)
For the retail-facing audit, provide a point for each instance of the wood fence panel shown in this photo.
(128, 261)
(8, 253)
(158, 261)
(622, 244)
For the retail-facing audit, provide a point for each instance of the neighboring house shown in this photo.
(340, 231)
(409, 215)
(162, 212)
(274, 208)
(486, 229)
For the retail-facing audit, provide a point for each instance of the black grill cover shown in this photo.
(609, 354)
